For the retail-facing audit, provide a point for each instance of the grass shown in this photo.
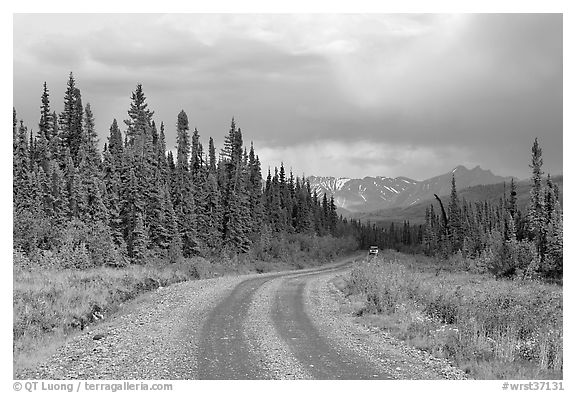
(49, 305)
(493, 329)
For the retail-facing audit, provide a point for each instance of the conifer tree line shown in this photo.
(137, 198)
(499, 237)
(403, 237)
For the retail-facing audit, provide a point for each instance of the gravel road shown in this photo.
(289, 325)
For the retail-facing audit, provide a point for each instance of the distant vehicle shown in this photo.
(373, 250)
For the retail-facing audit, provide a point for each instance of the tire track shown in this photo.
(226, 351)
(319, 356)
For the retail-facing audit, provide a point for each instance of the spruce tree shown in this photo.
(255, 193)
(513, 200)
(44, 131)
(91, 138)
(237, 231)
(195, 155)
(332, 216)
(111, 172)
(536, 211)
(303, 222)
(115, 145)
(44, 126)
(211, 156)
(325, 215)
(549, 199)
(161, 153)
(21, 169)
(55, 144)
(130, 207)
(454, 219)
(183, 142)
(158, 229)
(210, 213)
(140, 118)
(182, 192)
(71, 119)
(553, 260)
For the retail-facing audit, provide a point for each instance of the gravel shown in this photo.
(264, 340)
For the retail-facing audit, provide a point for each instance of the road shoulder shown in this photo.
(332, 313)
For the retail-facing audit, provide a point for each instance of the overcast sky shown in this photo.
(330, 95)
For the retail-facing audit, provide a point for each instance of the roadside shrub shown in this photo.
(74, 256)
(34, 232)
(479, 321)
(195, 267)
(482, 263)
(87, 245)
(526, 258)
(506, 258)
(298, 249)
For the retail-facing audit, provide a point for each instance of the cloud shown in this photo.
(361, 158)
(421, 88)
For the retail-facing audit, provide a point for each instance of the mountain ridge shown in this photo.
(492, 193)
(373, 193)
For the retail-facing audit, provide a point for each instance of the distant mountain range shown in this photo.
(416, 212)
(376, 193)
(361, 195)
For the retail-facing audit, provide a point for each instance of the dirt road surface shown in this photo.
(288, 325)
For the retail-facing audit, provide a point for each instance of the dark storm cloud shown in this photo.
(449, 88)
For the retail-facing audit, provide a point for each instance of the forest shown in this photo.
(500, 238)
(78, 207)
(490, 237)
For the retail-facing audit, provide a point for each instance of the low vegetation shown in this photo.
(50, 304)
(492, 328)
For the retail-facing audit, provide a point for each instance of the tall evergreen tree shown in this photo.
(553, 260)
(140, 119)
(44, 131)
(21, 169)
(236, 231)
(182, 192)
(183, 142)
(71, 119)
(45, 126)
(454, 219)
(255, 193)
(115, 145)
(210, 213)
(536, 212)
(211, 156)
(91, 138)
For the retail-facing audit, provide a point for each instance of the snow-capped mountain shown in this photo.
(374, 193)
(365, 194)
